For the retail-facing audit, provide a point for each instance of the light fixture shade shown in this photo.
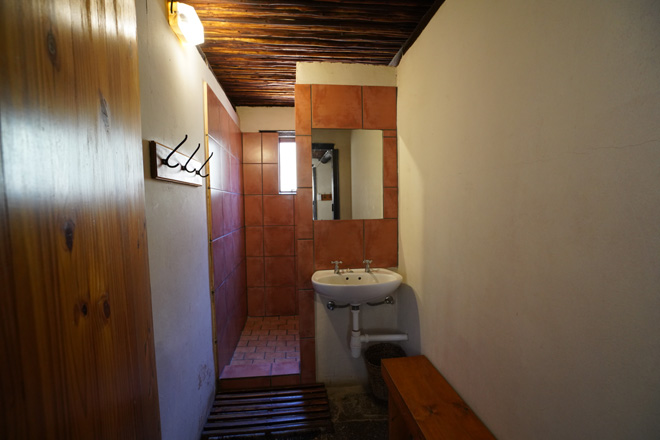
(186, 23)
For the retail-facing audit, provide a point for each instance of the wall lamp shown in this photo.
(185, 22)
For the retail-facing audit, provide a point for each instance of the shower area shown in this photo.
(252, 252)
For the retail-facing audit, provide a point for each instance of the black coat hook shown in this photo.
(185, 167)
(202, 167)
(166, 161)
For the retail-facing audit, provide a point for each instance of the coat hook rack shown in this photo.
(185, 167)
(171, 165)
(203, 165)
(166, 161)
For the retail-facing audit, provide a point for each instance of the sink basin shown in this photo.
(355, 287)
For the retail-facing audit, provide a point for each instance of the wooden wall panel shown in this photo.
(76, 308)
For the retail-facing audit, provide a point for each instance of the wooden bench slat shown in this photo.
(427, 403)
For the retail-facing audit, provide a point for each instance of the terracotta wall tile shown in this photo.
(256, 301)
(221, 319)
(241, 211)
(304, 163)
(338, 240)
(252, 180)
(278, 210)
(225, 138)
(390, 203)
(305, 263)
(254, 210)
(306, 313)
(335, 106)
(221, 314)
(219, 265)
(235, 175)
(235, 139)
(213, 115)
(254, 241)
(216, 165)
(379, 109)
(280, 301)
(251, 147)
(236, 208)
(227, 220)
(390, 177)
(270, 178)
(229, 212)
(230, 253)
(280, 271)
(307, 360)
(304, 213)
(381, 242)
(255, 271)
(232, 294)
(303, 109)
(278, 241)
(224, 170)
(217, 225)
(240, 236)
(389, 133)
(270, 147)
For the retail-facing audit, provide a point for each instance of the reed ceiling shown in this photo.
(252, 46)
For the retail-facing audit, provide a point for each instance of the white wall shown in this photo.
(171, 93)
(345, 74)
(529, 161)
(254, 119)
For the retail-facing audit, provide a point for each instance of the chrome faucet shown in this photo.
(367, 269)
(337, 263)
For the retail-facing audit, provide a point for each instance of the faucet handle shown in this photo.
(366, 265)
(337, 263)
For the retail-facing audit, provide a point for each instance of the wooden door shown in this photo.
(76, 325)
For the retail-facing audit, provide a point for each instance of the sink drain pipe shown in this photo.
(357, 338)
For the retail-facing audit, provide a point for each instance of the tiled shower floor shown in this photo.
(269, 346)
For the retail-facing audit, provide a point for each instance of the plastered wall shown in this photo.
(529, 178)
(171, 94)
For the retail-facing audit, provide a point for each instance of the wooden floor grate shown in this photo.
(269, 413)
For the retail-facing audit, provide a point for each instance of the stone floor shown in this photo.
(356, 414)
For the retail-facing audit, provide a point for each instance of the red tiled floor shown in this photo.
(269, 346)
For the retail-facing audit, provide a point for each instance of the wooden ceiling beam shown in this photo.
(253, 46)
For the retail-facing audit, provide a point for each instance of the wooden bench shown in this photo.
(422, 404)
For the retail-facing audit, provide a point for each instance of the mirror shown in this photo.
(347, 174)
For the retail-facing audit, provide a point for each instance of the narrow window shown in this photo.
(287, 163)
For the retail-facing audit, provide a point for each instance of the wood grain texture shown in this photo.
(77, 309)
(428, 406)
(253, 47)
(158, 153)
(290, 410)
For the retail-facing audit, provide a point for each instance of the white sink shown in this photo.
(355, 287)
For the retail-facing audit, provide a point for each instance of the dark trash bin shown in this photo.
(372, 357)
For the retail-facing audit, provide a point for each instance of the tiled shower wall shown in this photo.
(269, 232)
(227, 234)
